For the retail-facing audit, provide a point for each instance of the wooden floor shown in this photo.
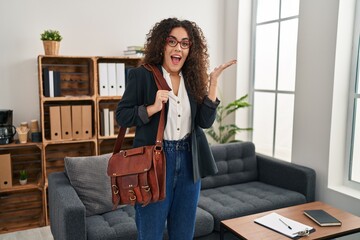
(42, 233)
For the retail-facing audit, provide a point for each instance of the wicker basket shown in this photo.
(51, 47)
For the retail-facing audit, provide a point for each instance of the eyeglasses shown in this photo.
(172, 42)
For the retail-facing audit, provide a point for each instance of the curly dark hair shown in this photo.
(195, 67)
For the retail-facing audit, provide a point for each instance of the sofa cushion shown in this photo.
(244, 199)
(236, 163)
(120, 224)
(204, 223)
(88, 175)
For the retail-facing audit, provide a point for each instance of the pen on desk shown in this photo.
(285, 224)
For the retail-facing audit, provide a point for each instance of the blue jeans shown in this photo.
(178, 209)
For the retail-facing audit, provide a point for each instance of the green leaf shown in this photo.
(51, 35)
(223, 133)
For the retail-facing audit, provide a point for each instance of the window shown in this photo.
(274, 70)
(342, 171)
(354, 105)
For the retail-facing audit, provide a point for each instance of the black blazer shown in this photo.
(140, 92)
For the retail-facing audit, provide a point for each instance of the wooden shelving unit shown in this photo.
(26, 206)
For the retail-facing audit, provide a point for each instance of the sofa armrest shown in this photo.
(287, 175)
(66, 211)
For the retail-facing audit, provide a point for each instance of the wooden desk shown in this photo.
(246, 228)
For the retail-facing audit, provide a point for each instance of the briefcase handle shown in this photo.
(162, 85)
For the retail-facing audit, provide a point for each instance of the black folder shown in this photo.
(322, 218)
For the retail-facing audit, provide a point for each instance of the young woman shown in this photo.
(178, 48)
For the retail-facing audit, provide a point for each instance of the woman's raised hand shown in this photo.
(214, 75)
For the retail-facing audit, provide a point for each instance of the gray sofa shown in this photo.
(246, 183)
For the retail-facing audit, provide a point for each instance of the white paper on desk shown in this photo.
(273, 222)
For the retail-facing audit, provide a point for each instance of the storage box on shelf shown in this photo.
(68, 121)
(21, 210)
(111, 75)
(107, 119)
(55, 154)
(76, 77)
(27, 157)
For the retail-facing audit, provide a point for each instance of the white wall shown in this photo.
(243, 83)
(89, 28)
(318, 24)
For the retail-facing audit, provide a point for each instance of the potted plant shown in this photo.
(224, 132)
(51, 41)
(23, 177)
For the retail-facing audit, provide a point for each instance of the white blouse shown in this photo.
(178, 123)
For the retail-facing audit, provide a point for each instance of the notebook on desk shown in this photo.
(285, 226)
(322, 218)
